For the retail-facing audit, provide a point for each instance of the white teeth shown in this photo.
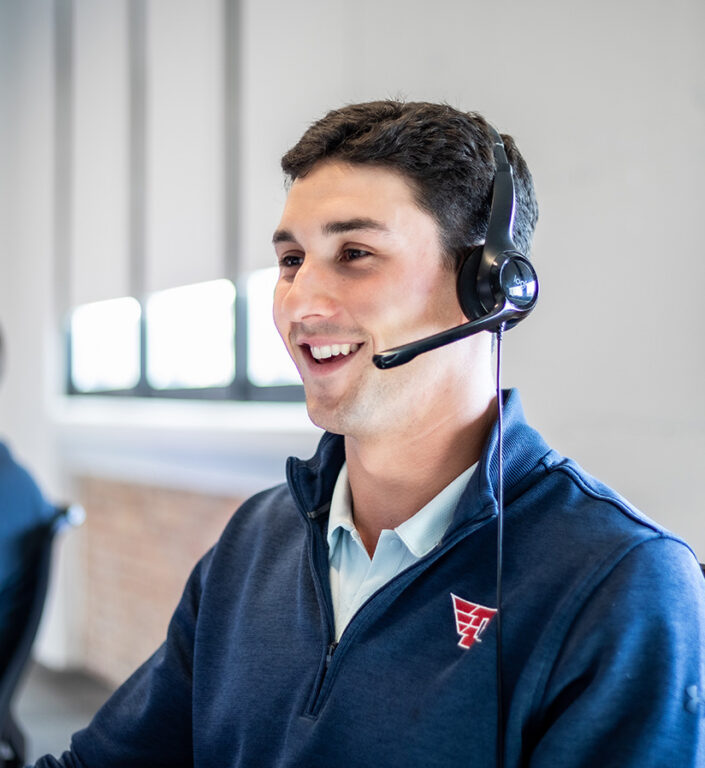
(333, 350)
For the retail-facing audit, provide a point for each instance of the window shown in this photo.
(266, 365)
(105, 346)
(190, 336)
(205, 340)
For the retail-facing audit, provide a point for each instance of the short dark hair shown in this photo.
(445, 154)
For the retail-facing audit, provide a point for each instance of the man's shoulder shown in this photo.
(589, 501)
(591, 527)
(267, 517)
(559, 500)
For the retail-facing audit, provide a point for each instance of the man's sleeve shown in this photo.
(628, 687)
(147, 722)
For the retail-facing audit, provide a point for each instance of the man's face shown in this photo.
(361, 270)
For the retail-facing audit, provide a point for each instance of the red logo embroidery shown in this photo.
(471, 620)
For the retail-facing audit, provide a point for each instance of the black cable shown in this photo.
(500, 545)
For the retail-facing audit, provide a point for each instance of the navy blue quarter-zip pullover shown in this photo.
(603, 638)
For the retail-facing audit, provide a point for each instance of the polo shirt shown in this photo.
(354, 576)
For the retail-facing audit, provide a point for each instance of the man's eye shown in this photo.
(290, 260)
(352, 254)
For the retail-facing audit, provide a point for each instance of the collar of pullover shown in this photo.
(312, 481)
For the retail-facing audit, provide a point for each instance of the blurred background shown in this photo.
(139, 187)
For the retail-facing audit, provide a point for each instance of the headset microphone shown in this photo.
(497, 285)
(521, 291)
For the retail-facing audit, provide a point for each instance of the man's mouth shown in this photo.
(327, 353)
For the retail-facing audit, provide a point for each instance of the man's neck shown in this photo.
(394, 476)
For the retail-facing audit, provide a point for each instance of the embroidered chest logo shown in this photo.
(471, 620)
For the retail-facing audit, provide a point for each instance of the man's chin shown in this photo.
(323, 417)
(364, 410)
(334, 414)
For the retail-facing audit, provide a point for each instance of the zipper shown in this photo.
(329, 654)
(318, 562)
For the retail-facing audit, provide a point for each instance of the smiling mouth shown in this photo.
(328, 353)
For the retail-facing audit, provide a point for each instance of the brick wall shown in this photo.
(140, 544)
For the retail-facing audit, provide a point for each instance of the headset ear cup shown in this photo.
(468, 296)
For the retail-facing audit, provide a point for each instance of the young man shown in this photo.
(348, 617)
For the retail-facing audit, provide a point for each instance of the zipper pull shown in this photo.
(329, 655)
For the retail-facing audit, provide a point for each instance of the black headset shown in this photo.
(497, 287)
(497, 273)
(497, 284)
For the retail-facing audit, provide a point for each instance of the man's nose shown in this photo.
(312, 293)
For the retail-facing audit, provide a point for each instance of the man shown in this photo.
(348, 617)
(24, 514)
(24, 519)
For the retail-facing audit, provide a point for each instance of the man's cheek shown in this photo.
(277, 317)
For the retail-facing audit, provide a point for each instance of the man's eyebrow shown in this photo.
(334, 228)
(283, 236)
(349, 225)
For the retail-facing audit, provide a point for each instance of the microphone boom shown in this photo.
(391, 358)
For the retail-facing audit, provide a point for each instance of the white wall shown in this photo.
(607, 102)
(32, 377)
(26, 268)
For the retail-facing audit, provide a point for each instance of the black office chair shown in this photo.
(12, 740)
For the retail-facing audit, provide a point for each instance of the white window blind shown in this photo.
(99, 227)
(185, 208)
